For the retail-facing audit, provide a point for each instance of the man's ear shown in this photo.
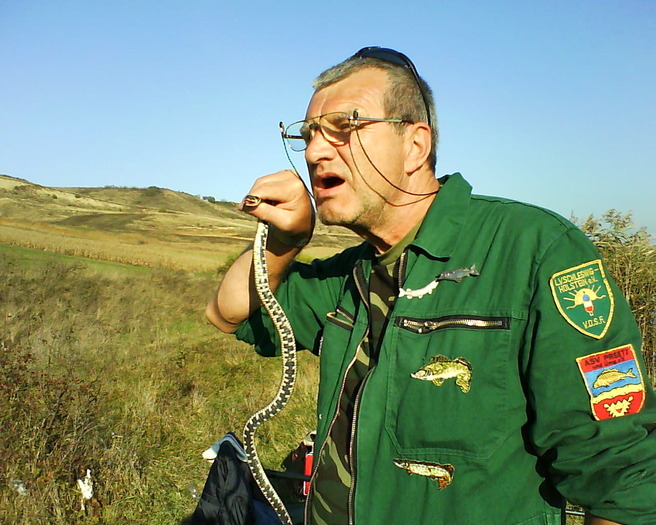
(417, 143)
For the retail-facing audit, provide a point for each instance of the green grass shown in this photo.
(116, 370)
(30, 257)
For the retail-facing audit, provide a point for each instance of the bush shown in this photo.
(630, 258)
(152, 191)
(51, 433)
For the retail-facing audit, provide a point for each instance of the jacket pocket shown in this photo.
(447, 385)
(335, 350)
(341, 318)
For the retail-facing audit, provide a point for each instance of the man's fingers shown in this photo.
(281, 200)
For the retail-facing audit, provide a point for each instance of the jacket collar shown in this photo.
(441, 228)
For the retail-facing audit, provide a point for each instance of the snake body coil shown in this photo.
(288, 350)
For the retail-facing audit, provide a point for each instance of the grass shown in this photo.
(116, 370)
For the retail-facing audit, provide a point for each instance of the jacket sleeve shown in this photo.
(307, 295)
(592, 406)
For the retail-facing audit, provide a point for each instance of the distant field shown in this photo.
(149, 227)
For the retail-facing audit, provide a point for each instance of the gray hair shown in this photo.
(403, 99)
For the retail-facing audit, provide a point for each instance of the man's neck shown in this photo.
(399, 220)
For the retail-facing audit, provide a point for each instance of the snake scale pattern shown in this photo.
(288, 350)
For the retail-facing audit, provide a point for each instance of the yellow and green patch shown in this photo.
(584, 298)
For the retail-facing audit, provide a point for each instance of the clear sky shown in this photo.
(551, 102)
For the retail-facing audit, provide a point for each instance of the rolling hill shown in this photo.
(153, 227)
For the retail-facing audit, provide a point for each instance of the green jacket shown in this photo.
(538, 352)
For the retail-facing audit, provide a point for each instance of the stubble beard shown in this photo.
(360, 220)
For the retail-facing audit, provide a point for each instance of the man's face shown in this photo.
(348, 190)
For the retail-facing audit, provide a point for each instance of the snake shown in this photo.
(289, 366)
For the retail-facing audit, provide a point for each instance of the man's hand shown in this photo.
(283, 202)
(594, 520)
(285, 205)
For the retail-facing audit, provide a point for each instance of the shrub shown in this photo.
(152, 191)
(630, 258)
(51, 433)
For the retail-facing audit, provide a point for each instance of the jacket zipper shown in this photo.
(332, 422)
(400, 274)
(358, 397)
(323, 445)
(422, 326)
(356, 407)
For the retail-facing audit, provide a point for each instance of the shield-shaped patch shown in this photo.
(584, 298)
(614, 382)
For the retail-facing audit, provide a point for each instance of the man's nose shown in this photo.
(318, 148)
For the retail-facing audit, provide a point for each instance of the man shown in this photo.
(478, 364)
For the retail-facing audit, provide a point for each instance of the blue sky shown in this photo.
(551, 102)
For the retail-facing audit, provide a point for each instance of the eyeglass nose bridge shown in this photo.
(311, 127)
(326, 137)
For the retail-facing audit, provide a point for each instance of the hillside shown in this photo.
(152, 227)
(114, 367)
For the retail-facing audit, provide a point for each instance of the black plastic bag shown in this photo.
(230, 496)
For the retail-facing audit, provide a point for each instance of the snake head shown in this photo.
(251, 201)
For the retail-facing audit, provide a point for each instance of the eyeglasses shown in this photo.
(335, 127)
(394, 57)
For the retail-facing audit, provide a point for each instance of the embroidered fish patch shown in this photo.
(409, 293)
(440, 368)
(452, 275)
(584, 298)
(443, 474)
(459, 274)
(614, 382)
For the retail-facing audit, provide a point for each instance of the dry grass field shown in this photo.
(113, 368)
(107, 362)
(151, 227)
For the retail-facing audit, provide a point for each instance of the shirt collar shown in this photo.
(395, 251)
(441, 228)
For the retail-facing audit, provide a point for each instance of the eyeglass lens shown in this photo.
(335, 127)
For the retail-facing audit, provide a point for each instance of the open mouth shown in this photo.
(326, 182)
